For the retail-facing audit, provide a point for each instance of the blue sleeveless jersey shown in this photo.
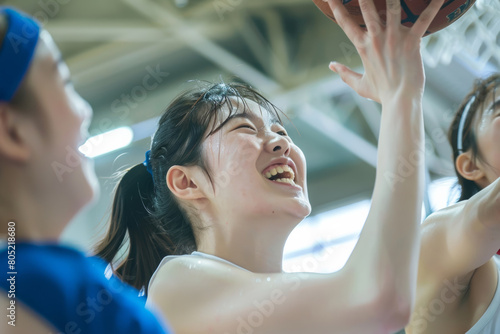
(70, 291)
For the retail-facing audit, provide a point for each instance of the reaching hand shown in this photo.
(390, 52)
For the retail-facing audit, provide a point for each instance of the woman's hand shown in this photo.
(390, 52)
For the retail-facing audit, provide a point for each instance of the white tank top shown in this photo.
(197, 254)
(489, 323)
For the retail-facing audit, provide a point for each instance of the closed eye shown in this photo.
(247, 126)
(282, 133)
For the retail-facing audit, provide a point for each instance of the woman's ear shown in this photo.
(14, 146)
(469, 168)
(182, 182)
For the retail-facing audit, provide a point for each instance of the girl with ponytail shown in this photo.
(206, 243)
(459, 270)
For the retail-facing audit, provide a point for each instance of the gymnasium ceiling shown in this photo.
(282, 47)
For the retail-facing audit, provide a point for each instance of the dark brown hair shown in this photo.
(482, 88)
(147, 211)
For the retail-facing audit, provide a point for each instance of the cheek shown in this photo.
(64, 123)
(300, 160)
(233, 164)
(488, 144)
(496, 143)
(496, 129)
(239, 157)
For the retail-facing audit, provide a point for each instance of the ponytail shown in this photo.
(132, 215)
(144, 207)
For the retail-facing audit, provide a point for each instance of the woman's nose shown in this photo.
(277, 143)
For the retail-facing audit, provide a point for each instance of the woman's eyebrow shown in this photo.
(60, 64)
(241, 115)
(251, 118)
(59, 61)
(493, 106)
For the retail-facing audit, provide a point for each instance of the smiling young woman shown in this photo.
(208, 214)
(458, 283)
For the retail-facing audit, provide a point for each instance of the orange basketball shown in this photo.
(410, 10)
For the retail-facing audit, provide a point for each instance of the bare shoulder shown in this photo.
(444, 215)
(436, 231)
(195, 284)
(189, 270)
(220, 297)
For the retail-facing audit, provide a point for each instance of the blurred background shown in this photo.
(129, 58)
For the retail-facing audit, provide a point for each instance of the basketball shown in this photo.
(410, 11)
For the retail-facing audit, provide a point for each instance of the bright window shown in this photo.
(324, 242)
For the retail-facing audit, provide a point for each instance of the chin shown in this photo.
(300, 209)
(90, 189)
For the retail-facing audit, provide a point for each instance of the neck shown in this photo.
(255, 247)
(33, 221)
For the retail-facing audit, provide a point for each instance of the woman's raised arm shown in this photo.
(374, 292)
(388, 248)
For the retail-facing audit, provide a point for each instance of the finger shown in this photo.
(393, 13)
(426, 18)
(344, 20)
(347, 75)
(370, 16)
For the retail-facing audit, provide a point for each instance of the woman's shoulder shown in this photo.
(441, 216)
(190, 265)
(198, 284)
(192, 272)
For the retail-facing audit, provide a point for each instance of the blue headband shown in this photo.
(16, 51)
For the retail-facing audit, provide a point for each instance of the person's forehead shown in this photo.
(251, 110)
(48, 53)
(493, 96)
(490, 103)
(486, 107)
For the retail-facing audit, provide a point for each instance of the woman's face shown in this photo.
(256, 169)
(64, 174)
(488, 137)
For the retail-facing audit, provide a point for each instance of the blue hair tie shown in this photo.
(147, 162)
(16, 51)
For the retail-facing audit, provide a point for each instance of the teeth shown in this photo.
(289, 181)
(281, 169)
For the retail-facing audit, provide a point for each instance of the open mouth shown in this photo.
(282, 174)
